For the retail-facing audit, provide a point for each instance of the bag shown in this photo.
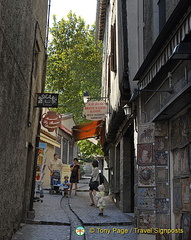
(93, 184)
(101, 179)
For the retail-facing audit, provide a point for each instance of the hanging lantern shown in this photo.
(51, 120)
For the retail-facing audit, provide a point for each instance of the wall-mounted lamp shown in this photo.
(127, 110)
(86, 97)
(136, 92)
(182, 51)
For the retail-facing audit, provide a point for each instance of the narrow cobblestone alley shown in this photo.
(58, 217)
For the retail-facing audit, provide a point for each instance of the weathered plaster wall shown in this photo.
(21, 76)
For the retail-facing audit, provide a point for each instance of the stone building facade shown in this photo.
(118, 144)
(23, 26)
(164, 124)
(148, 150)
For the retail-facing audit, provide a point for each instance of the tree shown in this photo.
(89, 150)
(74, 64)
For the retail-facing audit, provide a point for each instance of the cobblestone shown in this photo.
(57, 216)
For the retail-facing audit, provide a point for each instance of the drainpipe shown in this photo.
(48, 22)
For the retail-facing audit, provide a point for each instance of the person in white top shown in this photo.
(94, 182)
(101, 199)
(55, 165)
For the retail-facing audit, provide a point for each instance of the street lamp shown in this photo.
(127, 110)
(86, 97)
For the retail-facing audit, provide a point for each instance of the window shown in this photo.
(162, 13)
(113, 48)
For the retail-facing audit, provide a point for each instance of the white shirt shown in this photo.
(95, 174)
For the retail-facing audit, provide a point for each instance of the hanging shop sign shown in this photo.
(47, 100)
(95, 110)
(51, 120)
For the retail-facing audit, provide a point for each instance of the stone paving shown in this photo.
(51, 220)
(42, 232)
(89, 214)
(49, 210)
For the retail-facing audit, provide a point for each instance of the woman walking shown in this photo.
(94, 182)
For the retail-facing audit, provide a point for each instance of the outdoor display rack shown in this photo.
(41, 164)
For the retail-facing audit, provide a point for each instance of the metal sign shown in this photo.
(47, 100)
(51, 120)
(95, 110)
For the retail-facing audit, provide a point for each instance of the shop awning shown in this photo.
(65, 129)
(87, 130)
(49, 139)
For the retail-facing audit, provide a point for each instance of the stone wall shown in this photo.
(22, 68)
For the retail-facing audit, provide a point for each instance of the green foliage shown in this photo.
(89, 150)
(74, 64)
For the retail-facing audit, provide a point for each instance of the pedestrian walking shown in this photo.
(75, 175)
(94, 182)
(101, 200)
